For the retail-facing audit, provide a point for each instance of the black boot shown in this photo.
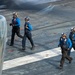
(71, 60)
(11, 45)
(33, 47)
(60, 67)
(23, 49)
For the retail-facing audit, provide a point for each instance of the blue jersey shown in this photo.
(16, 22)
(28, 25)
(65, 42)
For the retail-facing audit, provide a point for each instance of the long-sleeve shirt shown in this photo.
(16, 22)
(67, 42)
(27, 26)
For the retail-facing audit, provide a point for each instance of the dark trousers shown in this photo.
(64, 56)
(15, 30)
(28, 35)
(69, 52)
(73, 46)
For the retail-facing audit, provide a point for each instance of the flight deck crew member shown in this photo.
(69, 51)
(27, 34)
(65, 44)
(71, 33)
(72, 37)
(15, 28)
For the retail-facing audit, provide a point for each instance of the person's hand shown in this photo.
(10, 24)
(68, 49)
(26, 27)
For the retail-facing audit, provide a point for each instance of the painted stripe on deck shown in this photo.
(31, 58)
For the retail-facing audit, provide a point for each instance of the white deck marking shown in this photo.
(31, 58)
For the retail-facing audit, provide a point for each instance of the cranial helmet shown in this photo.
(27, 18)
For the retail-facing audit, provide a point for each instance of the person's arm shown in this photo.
(27, 26)
(11, 24)
(30, 27)
(70, 43)
(17, 22)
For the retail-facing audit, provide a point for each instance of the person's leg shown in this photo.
(29, 36)
(68, 57)
(74, 47)
(69, 52)
(62, 60)
(24, 42)
(18, 32)
(12, 37)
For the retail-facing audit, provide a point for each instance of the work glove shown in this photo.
(68, 49)
(11, 24)
(58, 45)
